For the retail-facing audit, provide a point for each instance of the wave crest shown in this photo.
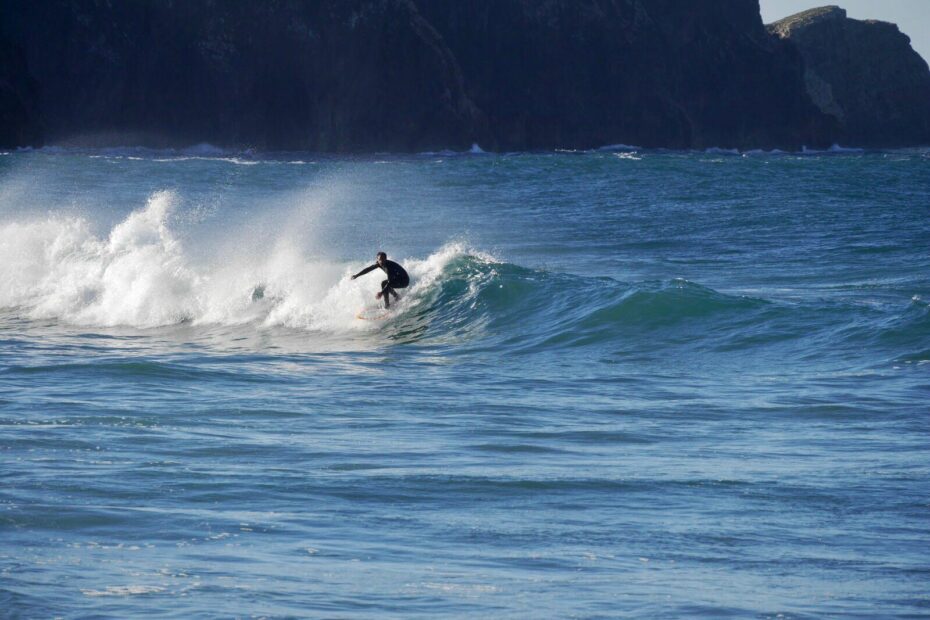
(141, 275)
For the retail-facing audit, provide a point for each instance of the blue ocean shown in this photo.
(622, 383)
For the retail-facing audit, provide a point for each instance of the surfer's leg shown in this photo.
(399, 283)
(386, 293)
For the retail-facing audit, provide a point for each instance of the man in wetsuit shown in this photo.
(397, 278)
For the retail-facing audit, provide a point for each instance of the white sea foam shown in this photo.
(130, 590)
(836, 148)
(618, 147)
(763, 152)
(140, 274)
(474, 150)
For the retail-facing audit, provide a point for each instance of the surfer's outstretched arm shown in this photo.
(365, 270)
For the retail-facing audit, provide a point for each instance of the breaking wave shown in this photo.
(140, 274)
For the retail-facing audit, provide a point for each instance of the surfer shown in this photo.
(397, 278)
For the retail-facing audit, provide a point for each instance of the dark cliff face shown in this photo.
(410, 75)
(738, 86)
(19, 113)
(864, 74)
(330, 75)
(583, 73)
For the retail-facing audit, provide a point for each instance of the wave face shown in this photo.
(140, 275)
(680, 378)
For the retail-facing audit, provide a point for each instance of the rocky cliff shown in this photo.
(406, 75)
(327, 75)
(864, 74)
(19, 113)
(582, 73)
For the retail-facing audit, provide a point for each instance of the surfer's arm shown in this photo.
(365, 270)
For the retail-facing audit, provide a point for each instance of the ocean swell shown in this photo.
(141, 275)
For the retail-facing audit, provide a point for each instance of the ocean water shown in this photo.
(622, 384)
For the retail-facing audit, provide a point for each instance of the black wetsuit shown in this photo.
(397, 278)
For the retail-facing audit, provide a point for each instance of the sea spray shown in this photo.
(136, 276)
(139, 275)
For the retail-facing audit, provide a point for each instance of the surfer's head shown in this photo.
(381, 258)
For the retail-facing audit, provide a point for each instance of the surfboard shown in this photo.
(377, 313)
